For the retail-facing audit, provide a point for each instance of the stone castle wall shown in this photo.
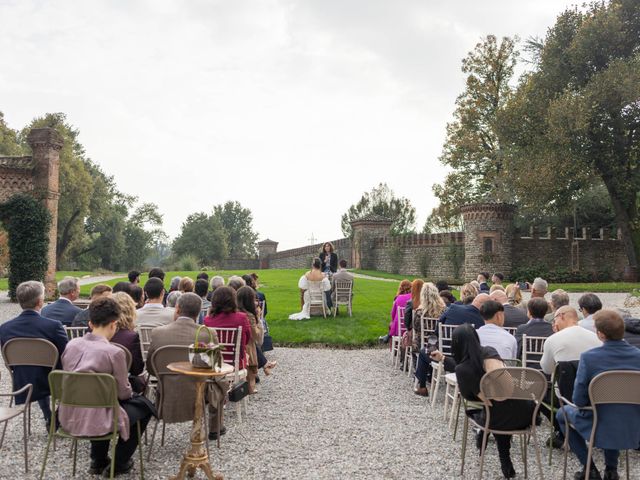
(302, 257)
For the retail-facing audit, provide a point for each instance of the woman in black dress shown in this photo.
(470, 362)
(329, 258)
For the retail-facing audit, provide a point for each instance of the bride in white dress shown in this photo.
(315, 275)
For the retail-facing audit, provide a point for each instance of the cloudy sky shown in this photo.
(294, 108)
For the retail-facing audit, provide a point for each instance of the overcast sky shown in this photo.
(294, 108)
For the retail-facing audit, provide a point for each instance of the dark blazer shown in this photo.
(459, 314)
(30, 324)
(333, 261)
(533, 328)
(514, 316)
(484, 287)
(81, 319)
(632, 331)
(261, 298)
(62, 310)
(131, 341)
(618, 425)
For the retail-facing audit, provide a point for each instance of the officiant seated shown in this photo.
(310, 280)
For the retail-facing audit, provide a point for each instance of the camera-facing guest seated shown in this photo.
(31, 324)
(63, 309)
(589, 304)
(94, 353)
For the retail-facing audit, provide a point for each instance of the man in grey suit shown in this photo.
(63, 309)
(154, 313)
(179, 391)
(513, 316)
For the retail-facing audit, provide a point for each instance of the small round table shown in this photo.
(196, 457)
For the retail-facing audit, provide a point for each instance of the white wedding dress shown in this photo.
(303, 284)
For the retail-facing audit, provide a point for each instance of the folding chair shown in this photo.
(85, 390)
(127, 354)
(427, 327)
(229, 339)
(509, 383)
(317, 297)
(7, 413)
(396, 338)
(344, 295)
(75, 332)
(612, 387)
(444, 346)
(145, 340)
(511, 330)
(532, 348)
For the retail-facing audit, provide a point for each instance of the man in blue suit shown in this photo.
(614, 354)
(30, 324)
(459, 314)
(63, 309)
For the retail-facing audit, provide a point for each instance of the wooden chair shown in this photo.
(396, 338)
(532, 348)
(8, 413)
(317, 297)
(75, 332)
(343, 295)
(229, 339)
(85, 390)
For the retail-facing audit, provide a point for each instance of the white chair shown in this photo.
(229, 339)
(444, 346)
(145, 340)
(427, 327)
(75, 332)
(317, 297)
(511, 330)
(396, 338)
(532, 348)
(344, 295)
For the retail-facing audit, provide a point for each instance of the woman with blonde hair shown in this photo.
(186, 285)
(400, 301)
(129, 338)
(431, 306)
(514, 294)
(467, 293)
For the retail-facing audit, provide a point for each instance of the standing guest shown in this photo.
(122, 287)
(402, 297)
(186, 285)
(134, 277)
(328, 258)
(137, 294)
(179, 390)
(614, 354)
(247, 304)
(589, 304)
(154, 314)
(497, 278)
(236, 282)
(216, 282)
(30, 324)
(513, 316)
(442, 285)
(129, 338)
(156, 273)
(224, 314)
(413, 303)
(448, 297)
(94, 353)
(63, 309)
(536, 326)
(514, 295)
(99, 291)
(559, 298)
(482, 279)
(201, 289)
(492, 334)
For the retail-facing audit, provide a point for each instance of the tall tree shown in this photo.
(381, 200)
(202, 236)
(9, 144)
(472, 148)
(575, 120)
(237, 223)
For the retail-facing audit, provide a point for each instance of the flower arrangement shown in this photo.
(206, 355)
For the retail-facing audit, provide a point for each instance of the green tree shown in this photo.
(381, 200)
(141, 233)
(575, 120)
(9, 140)
(472, 148)
(237, 223)
(202, 236)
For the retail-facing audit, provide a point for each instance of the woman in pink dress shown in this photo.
(400, 301)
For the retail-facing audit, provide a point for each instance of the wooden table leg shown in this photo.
(196, 457)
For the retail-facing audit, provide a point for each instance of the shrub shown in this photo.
(27, 222)
(559, 274)
(188, 263)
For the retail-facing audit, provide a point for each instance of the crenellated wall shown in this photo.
(302, 257)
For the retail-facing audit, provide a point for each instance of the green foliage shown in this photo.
(382, 201)
(237, 223)
(559, 274)
(395, 256)
(203, 237)
(27, 222)
(9, 144)
(455, 256)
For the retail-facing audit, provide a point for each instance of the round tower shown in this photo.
(488, 238)
(266, 248)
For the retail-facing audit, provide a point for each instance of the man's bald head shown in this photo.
(480, 300)
(499, 296)
(564, 317)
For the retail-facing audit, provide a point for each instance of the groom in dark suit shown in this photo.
(30, 324)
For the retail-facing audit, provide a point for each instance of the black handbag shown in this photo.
(239, 391)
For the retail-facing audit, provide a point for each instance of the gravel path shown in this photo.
(98, 279)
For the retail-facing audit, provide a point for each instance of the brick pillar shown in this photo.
(364, 232)
(46, 144)
(266, 248)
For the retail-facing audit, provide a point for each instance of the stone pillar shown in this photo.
(488, 238)
(266, 248)
(364, 232)
(46, 144)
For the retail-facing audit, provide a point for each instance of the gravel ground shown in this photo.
(323, 414)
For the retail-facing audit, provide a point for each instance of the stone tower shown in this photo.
(488, 238)
(365, 230)
(266, 248)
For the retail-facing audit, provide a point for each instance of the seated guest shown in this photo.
(448, 297)
(173, 287)
(342, 275)
(122, 287)
(497, 278)
(471, 361)
(314, 275)
(467, 293)
(251, 280)
(172, 299)
(589, 304)
(134, 277)
(216, 282)
(459, 314)
(429, 305)
(156, 273)
(632, 331)
(614, 354)
(94, 353)
(539, 289)
(416, 288)
(492, 334)
(137, 294)
(247, 304)
(186, 285)
(536, 326)
(224, 314)
(154, 314)
(329, 259)
(400, 300)
(236, 282)
(180, 392)
(201, 289)
(482, 279)
(30, 324)
(513, 316)
(127, 337)
(514, 295)
(63, 309)
(559, 298)
(496, 287)
(99, 291)
(442, 285)
(203, 276)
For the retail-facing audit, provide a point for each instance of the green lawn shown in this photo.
(4, 282)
